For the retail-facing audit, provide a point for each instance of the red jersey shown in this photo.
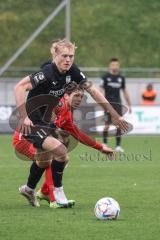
(64, 120)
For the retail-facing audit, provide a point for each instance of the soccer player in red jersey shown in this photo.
(64, 120)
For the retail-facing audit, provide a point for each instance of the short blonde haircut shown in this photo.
(58, 46)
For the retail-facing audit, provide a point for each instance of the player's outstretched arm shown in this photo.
(20, 95)
(88, 141)
(108, 151)
(100, 99)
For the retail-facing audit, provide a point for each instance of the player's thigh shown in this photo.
(54, 146)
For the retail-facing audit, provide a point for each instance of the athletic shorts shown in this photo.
(107, 115)
(23, 148)
(39, 134)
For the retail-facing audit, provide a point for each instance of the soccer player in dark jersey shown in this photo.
(46, 87)
(113, 83)
(64, 120)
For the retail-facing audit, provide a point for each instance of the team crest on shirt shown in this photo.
(68, 79)
(60, 104)
(109, 79)
(119, 80)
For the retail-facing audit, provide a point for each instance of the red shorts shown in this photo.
(23, 148)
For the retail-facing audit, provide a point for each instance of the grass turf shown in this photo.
(132, 179)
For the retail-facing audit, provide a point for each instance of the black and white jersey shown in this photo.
(112, 85)
(48, 87)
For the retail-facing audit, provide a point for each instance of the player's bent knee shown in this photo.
(43, 158)
(43, 164)
(60, 154)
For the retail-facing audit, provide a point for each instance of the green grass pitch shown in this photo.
(132, 179)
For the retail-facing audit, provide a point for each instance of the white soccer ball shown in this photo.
(107, 208)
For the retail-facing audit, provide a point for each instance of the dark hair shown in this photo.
(72, 87)
(114, 60)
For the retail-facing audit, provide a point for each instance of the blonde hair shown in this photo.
(58, 46)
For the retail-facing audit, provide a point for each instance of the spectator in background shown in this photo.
(113, 83)
(149, 95)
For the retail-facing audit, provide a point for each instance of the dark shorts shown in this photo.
(39, 134)
(118, 108)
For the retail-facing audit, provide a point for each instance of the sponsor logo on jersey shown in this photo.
(114, 84)
(68, 79)
(57, 93)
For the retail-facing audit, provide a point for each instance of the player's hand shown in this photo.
(109, 151)
(122, 124)
(25, 126)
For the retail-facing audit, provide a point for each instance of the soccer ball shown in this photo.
(107, 208)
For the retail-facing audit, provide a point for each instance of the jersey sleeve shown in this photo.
(41, 76)
(78, 75)
(103, 81)
(37, 78)
(82, 137)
